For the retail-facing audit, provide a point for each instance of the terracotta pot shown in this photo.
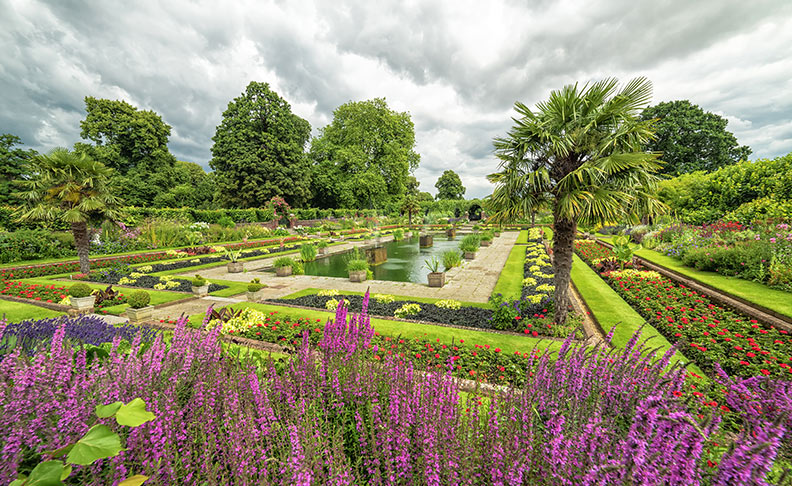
(283, 271)
(139, 315)
(436, 279)
(357, 276)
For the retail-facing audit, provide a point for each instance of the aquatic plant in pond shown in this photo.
(591, 416)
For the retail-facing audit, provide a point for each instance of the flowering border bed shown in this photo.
(114, 277)
(707, 333)
(74, 266)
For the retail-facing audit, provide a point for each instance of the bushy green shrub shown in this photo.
(470, 243)
(255, 285)
(398, 234)
(138, 299)
(451, 259)
(80, 290)
(284, 261)
(308, 252)
(357, 265)
(226, 222)
(198, 281)
(32, 244)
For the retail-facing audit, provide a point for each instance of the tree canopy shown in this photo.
(449, 186)
(580, 152)
(364, 158)
(690, 139)
(13, 162)
(259, 151)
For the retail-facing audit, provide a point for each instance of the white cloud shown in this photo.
(456, 66)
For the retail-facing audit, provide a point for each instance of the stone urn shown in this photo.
(235, 267)
(201, 291)
(470, 255)
(140, 315)
(436, 279)
(83, 304)
(486, 243)
(283, 271)
(357, 276)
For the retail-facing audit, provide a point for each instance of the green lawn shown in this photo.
(611, 310)
(426, 300)
(510, 280)
(773, 299)
(522, 238)
(17, 311)
(234, 288)
(508, 343)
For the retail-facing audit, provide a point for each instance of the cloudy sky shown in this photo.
(457, 66)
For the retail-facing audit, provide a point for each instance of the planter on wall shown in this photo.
(470, 255)
(202, 291)
(235, 267)
(83, 304)
(283, 271)
(357, 276)
(255, 296)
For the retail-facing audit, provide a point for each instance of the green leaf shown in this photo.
(104, 411)
(134, 413)
(47, 473)
(18, 482)
(66, 472)
(63, 450)
(135, 480)
(99, 443)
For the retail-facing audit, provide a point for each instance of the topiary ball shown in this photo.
(138, 299)
(80, 290)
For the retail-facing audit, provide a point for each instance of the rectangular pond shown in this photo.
(405, 261)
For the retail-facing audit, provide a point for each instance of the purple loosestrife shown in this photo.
(592, 416)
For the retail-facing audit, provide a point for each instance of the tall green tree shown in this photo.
(259, 151)
(690, 139)
(364, 158)
(410, 205)
(582, 151)
(134, 143)
(71, 187)
(13, 162)
(449, 186)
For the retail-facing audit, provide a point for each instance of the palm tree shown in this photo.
(410, 205)
(512, 198)
(70, 187)
(580, 152)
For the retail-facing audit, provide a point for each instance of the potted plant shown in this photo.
(200, 286)
(81, 297)
(435, 277)
(451, 259)
(283, 266)
(234, 266)
(469, 245)
(322, 246)
(358, 269)
(307, 252)
(254, 290)
(451, 232)
(139, 309)
(398, 234)
(486, 238)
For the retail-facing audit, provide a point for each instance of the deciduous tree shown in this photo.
(13, 161)
(259, 151)
(449, 186)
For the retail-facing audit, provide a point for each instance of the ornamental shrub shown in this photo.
(255, 285)
(451, 259)
(407, 310)
(80, 290)
(357, 265)
(308, 252)
(138, 299)
(283, 261)
(198, 281)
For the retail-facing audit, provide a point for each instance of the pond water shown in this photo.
(405, 261)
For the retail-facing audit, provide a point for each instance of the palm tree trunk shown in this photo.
(409, 217)
(81, 240)
(563, 245)
(533, 219)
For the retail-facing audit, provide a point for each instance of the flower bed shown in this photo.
(116, 277)
(388, 305)
(708, 334)
(71, 267)
(597, 256)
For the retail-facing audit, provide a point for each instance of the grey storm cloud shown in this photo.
(456, 66)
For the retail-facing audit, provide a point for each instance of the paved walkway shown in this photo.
(473, 282)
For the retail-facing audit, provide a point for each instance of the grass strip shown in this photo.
(425, 300)
(510, 280)
(18, 311)
(522, 238)
(446, 335)
(611, 310)
(760, 294)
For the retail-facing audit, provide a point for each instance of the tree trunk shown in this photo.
(563, 247)
(81, 240)
(409, 217)
(533, 219)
